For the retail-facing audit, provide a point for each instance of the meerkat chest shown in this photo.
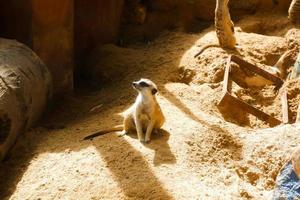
(146, 110)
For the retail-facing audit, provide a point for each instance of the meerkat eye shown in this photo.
(154, 91)
(143, 84)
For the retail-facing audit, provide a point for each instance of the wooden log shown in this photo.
(25, 88)
(52, 39)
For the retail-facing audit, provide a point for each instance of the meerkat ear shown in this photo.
(154, 91)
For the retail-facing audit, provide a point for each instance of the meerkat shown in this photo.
(224, 28)
(206, 47)
(144, 115)
(279, 70)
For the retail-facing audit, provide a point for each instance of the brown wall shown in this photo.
(96, 22)
(268, 5)
(57, 30)
(46, 26)
(64, 32)
(15, 20)
(52, 33)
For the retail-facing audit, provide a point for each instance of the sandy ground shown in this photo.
(197, 155)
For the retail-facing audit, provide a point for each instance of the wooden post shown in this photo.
(52, 40)
(96, 22)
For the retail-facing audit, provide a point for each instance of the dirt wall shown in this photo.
(46, 27)
(95, 22)
(15, 20)
(192, 15)
(62, 33)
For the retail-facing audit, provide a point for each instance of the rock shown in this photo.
(26, 87)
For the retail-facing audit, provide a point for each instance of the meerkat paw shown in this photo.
(142, 140)
(147, 140)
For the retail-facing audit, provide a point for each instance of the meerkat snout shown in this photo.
(134, 85)
(154, 91)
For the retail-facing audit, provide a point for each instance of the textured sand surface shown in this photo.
(197, 155)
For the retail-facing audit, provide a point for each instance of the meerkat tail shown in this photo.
(205, 47)
(103, 132)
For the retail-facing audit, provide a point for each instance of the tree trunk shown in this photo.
(294, 11)
(25, 88)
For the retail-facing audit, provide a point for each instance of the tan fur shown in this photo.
(144, 115)
(224, 26)
(280, 65)
(257, 81)
(277, 70)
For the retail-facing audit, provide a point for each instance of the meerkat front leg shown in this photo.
(149, 130)
(138, 126)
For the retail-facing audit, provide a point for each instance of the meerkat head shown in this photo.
(145, 86)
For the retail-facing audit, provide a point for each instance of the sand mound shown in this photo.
(199, 154)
